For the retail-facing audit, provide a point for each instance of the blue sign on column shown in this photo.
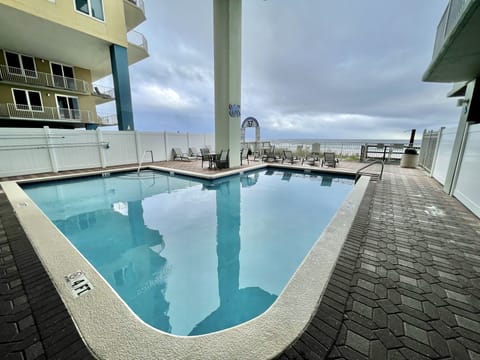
(234, 110)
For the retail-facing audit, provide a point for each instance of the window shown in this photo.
(27, 100)
(92, 8)
(63, 76)
(20, 64)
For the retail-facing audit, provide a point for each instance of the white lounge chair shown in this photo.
(178, 154)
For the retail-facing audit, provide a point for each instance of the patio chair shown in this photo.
(193, 152)
(313, 156)
(269, 155)
(178, 154)
(244, 156)
(205, 154)
(222, 161)
(288, 155)
(329, 159)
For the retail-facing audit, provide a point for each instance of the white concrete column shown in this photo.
(227, 34)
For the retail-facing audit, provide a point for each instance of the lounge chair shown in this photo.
(269, 155)
(257, 155)
(205, 154)
(178, 154)
(222, 160)
(193, 152)
(313, 156)
(329, 159)
(288, 155)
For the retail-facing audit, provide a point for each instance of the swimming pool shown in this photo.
(191, 256)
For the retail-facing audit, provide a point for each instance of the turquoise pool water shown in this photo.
(191, 256)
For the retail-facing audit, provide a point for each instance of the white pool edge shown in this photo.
(112, 331)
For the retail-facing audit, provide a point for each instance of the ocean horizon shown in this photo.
(345, 141)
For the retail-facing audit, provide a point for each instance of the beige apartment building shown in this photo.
(53, 51)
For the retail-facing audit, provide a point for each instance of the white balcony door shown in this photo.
(63, 76)
(68, 107)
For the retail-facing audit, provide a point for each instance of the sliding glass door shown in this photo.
(68, 107)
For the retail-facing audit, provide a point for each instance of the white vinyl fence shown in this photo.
(466, 185)
(32, 151)
(442, 159)
(467, 173)
(429, 148)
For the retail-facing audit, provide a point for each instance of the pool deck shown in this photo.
(406, 284)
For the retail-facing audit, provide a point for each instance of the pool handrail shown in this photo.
(143, 157)
(357, 173)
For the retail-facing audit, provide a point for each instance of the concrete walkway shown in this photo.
(406, 286)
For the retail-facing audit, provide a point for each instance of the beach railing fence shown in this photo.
(429, 148)
(354, 150)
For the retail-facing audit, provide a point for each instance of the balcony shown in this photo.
(102, 94)
(137, 47)
(89, 52)
(15, 75)
(76, 118)
(134, 13)
(107, 120)
(456, 48)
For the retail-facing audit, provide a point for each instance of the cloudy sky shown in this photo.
(342, 69)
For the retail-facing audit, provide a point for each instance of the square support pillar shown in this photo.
(121, 81)
(227, 33)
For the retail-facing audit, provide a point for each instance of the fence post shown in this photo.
(167, 157)
(101, 149)
(437, 146)
(138, 146)
(423, 149)
(51, 150)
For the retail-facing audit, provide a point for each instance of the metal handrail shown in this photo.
(138, 39)
(138, 3)
(448, 21)
(143, 157)
(23, 112)
(107, 120)
(357, 174)
(37, 78)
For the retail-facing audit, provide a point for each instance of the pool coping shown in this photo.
(129, 337)
(212, 176)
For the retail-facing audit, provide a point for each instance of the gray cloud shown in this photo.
(309, 68)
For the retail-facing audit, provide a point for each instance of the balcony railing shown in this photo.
(138, 3)
(36, 78)
(107, 120)
(447, 22)
(25, 112)
(103, 91)
(138, 39)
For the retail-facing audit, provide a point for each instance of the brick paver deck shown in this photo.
(406, 285)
